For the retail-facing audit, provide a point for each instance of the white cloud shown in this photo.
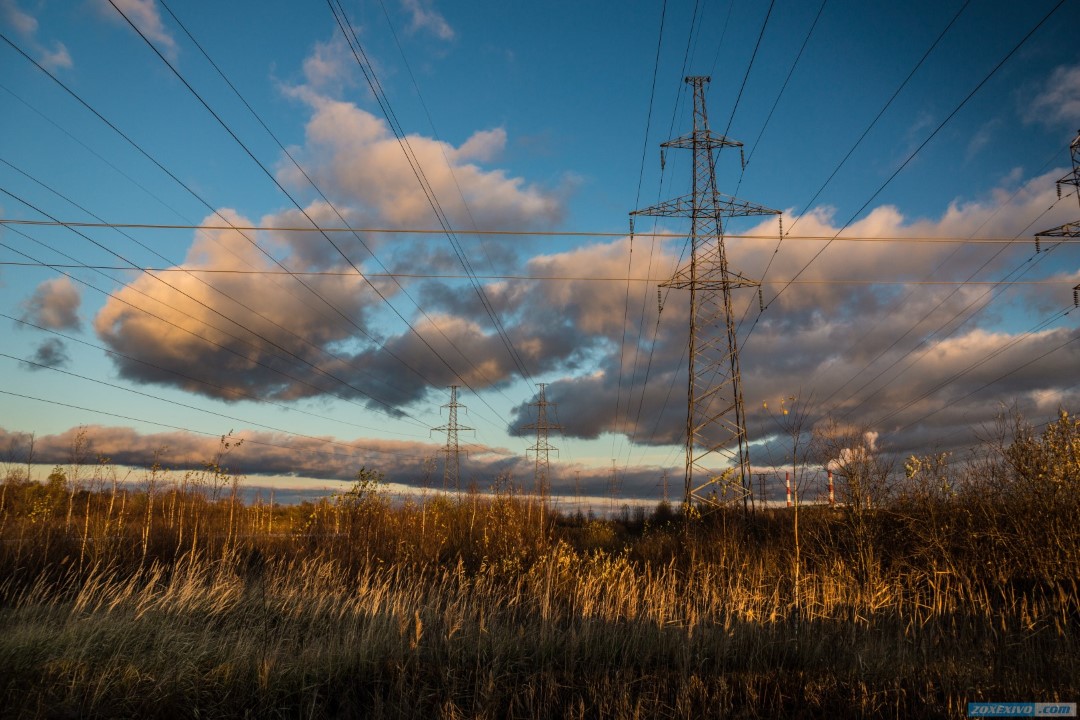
(425, 17)
(27, 26)
(483, 146)
(24, 23)
(1059, 100)
(146, 16)
(330, 66)
(353, 154)
(58, 57)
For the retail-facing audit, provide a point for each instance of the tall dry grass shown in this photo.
(179, 600)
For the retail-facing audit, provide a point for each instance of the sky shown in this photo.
(174, 178)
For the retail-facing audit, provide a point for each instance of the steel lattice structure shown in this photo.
(452, 450)
(714, 437)
(542, 449)
(1072, 229)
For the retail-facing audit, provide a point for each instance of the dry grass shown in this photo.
(170, 603)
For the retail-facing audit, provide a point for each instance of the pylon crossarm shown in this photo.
(1068, 230)
(681, 281)
(701, 139)
(1072, 178)
(724, 206)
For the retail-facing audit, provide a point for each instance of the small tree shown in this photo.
(1050, 462)
(365, 490)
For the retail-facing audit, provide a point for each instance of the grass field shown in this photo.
(177, 600)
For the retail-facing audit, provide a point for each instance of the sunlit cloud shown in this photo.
(146, 16)
(52, 57)
(424, 16)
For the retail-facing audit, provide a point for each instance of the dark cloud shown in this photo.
(253, 454)
(54, 305)
(50, 353)
(864, 353)
(271, 335)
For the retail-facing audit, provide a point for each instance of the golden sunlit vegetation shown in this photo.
(174, 598)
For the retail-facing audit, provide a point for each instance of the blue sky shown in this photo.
(535, 116)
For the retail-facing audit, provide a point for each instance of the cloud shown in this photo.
(405, 463)
(50, 353)
(1059, 100)
(483, 146)
(246, 332)
(982, 137)
(146, 16)
(330, 66)
(334, 334)
(355, 158)
(864, 352)
(23, 22)
(26, 25)
(54, 305)
(423, 16)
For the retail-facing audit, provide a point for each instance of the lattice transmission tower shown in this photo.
(543, 448)
(714, 437)
(452, 450)
(1070, 229)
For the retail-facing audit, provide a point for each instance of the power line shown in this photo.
(434, 132)
(917, 150)
(112, 126)
(990, 356)
(913, 239)
(529, 278)
(307, 177)
(996, 380)
(429, 192)
(203, 322)
(1004, 282)
(174, 402)
(630, 258)
(252, 441)
(245, 358)
(791, 71)
(223, 316)
(1019, 271)
(304, 212)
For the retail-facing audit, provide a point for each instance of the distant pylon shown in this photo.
(542, 449)
(713, 437)
(1072, 229)
(452, 450)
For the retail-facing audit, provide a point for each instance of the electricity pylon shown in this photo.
(542, 449)
(712, 437)
(452, 450)
(1072, 229)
